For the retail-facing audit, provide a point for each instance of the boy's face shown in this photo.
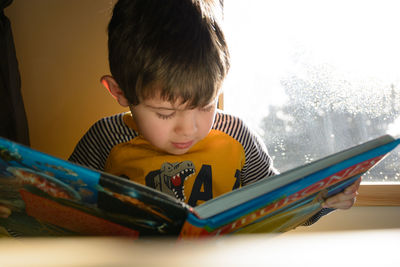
(172, 127)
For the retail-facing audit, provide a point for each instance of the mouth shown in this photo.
(182, 145)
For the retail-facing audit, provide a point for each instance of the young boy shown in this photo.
(168, 60)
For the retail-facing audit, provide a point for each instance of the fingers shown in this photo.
(340, 201)
(344, 200)
(353, 188)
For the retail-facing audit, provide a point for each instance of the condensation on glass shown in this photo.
(316, 77)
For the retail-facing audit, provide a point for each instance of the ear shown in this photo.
(113, 87)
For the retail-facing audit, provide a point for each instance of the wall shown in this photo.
(62, 53)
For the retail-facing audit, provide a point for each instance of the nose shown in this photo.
(186, 125)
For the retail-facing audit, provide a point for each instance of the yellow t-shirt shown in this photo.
(230, 156)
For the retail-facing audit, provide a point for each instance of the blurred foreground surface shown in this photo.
(367, 248)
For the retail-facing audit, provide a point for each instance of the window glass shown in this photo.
(315, 77)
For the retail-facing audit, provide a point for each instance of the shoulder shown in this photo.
(258, 163)
(110, 131)
(236, 128)
(94, 147)
(112, 126)
(228, 123)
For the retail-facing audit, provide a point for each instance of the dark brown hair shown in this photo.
(178, 44)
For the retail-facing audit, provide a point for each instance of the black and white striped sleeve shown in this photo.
(317, 216)
(258, 164)
(94, 147)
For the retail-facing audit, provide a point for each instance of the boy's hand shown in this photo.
(344, 200)
(4, 211)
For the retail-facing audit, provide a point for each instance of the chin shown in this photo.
(178, 152)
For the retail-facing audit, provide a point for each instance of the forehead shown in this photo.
(182, 97)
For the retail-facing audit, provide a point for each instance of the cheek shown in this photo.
(154, 131)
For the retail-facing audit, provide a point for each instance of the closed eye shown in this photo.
(165, 116)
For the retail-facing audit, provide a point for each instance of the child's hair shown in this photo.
(176, 44)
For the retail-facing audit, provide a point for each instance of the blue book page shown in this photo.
(295, 214)
(26, 172)
(325, 166)
(262, 206)
(59, 178)
(48, 196)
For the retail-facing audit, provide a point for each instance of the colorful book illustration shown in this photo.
(48, 196)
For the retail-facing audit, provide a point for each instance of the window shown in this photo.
(315, 77)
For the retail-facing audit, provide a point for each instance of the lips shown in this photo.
(182, 145)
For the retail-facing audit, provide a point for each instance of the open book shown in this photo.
(48, 196)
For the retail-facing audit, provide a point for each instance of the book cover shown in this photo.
(48, 196)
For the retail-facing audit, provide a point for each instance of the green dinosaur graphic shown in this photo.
(171, 177)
